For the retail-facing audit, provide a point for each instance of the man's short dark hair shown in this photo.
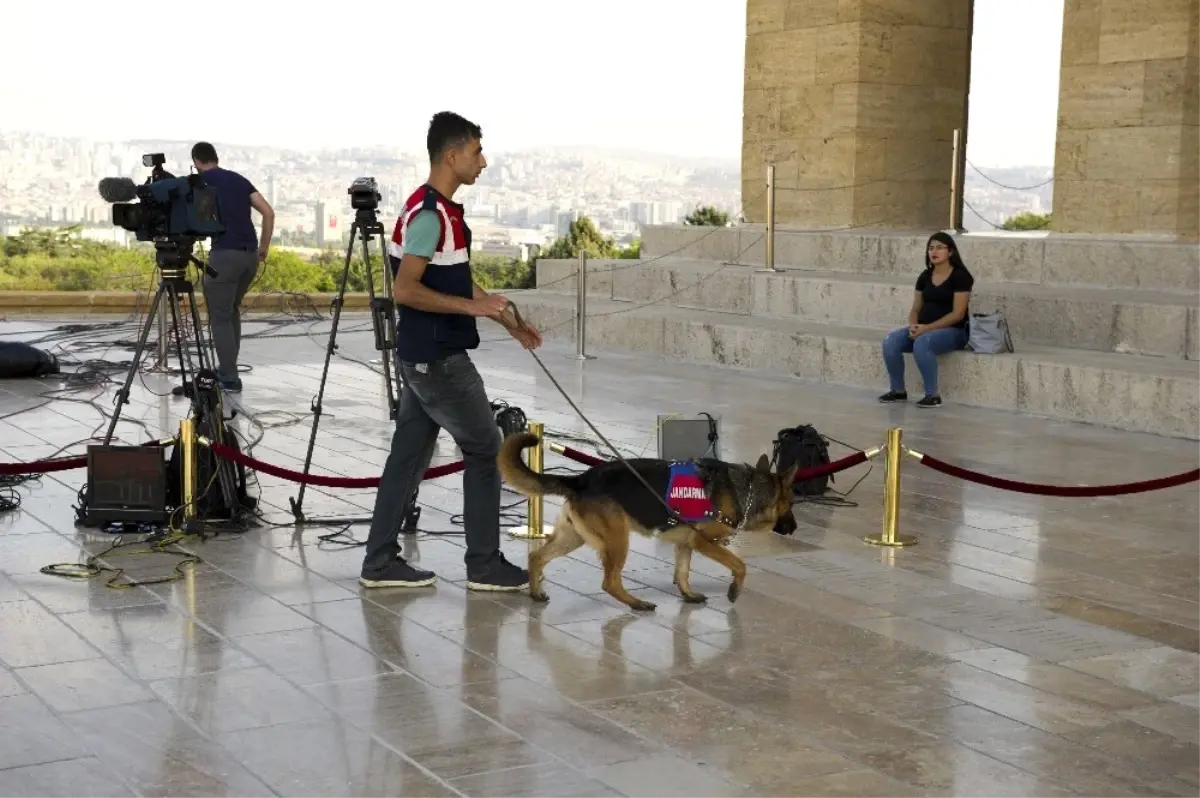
(447, 131)
(203, 152)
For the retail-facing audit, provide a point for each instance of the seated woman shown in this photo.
(937, 322)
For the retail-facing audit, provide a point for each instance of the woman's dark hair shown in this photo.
(944, 238)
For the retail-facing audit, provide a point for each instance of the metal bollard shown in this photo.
(536, 529)
(956, 184)
(890, 536)
(769, 247)
(581, 310)
(187, 471)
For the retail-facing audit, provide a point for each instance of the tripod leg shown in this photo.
(207, 403)
(139, 352)
(204, 354)
(182, 347)
(387, 322)
(298, 502)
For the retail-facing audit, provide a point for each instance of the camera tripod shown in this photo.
(172, 257)
(366, 226)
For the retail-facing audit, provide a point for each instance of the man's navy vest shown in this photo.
(421, 336)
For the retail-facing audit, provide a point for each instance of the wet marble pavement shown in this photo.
(1026, 646)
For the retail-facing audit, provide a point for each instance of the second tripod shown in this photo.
(364, 198)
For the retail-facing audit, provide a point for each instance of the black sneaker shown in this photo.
(894, 396)
(499, 576)
(398, 574)
(930, 401)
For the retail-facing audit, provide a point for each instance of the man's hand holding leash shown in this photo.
(501, 310)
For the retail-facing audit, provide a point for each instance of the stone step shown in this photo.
(1153, 264)
(1129, 392)
(1127, 321)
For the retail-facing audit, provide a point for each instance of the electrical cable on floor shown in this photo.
(10, 498)
(509, 517)
(86, 349)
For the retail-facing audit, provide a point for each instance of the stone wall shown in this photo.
(855, 103)
(1032, 259)
(861, 94)
(1129, 105)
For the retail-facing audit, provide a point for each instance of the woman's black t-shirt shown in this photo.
(938, 300)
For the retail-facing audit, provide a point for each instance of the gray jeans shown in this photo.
(447, 394)
(223, 294)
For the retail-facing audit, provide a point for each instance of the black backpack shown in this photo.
(807, 448)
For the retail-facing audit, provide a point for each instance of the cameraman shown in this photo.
(233, 258)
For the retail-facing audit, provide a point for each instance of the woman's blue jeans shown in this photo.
(925, 350)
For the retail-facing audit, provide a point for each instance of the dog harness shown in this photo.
(687, 496)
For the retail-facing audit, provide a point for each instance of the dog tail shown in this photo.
(522, 478)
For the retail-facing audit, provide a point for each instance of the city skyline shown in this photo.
(658, 77)
(525, 197)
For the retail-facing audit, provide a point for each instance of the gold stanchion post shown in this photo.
(187, 459)
(535, 529)
(890, 536)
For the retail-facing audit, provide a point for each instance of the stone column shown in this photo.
(1128, 108)
(860, 93)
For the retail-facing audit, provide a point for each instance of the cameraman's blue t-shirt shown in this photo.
(234, 192)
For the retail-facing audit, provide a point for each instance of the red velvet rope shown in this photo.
(50, 466)
(1074, 491)
(849, 461)
(43, 466)
(222, 450)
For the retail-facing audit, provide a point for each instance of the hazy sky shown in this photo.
(658, 75)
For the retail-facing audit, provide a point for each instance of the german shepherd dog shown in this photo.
(606, 501)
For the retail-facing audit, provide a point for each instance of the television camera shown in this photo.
(173, 212)
(364, 194)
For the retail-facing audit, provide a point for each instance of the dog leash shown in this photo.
(671, 512)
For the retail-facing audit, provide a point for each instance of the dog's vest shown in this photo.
(687, 496)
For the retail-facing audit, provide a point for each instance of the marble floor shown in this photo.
(1026, 646)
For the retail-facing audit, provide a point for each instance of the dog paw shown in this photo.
(695, 598)
(644, 606)
(735, 590)
(539, 597)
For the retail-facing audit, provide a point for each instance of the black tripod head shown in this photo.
(173, 253)
(365, 199)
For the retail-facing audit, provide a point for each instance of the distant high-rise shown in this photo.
(272, 194)
(329, 223)
(564, 221)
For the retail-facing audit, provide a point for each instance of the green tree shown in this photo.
(707, 216)
(583, 236)
(1027, 220)
(498, 273)
(287, 271)
(60, 260)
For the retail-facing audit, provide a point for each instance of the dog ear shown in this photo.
(763, 464)
(788, 477)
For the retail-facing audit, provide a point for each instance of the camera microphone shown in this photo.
(118, 189)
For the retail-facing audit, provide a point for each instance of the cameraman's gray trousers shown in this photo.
(223, 294)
